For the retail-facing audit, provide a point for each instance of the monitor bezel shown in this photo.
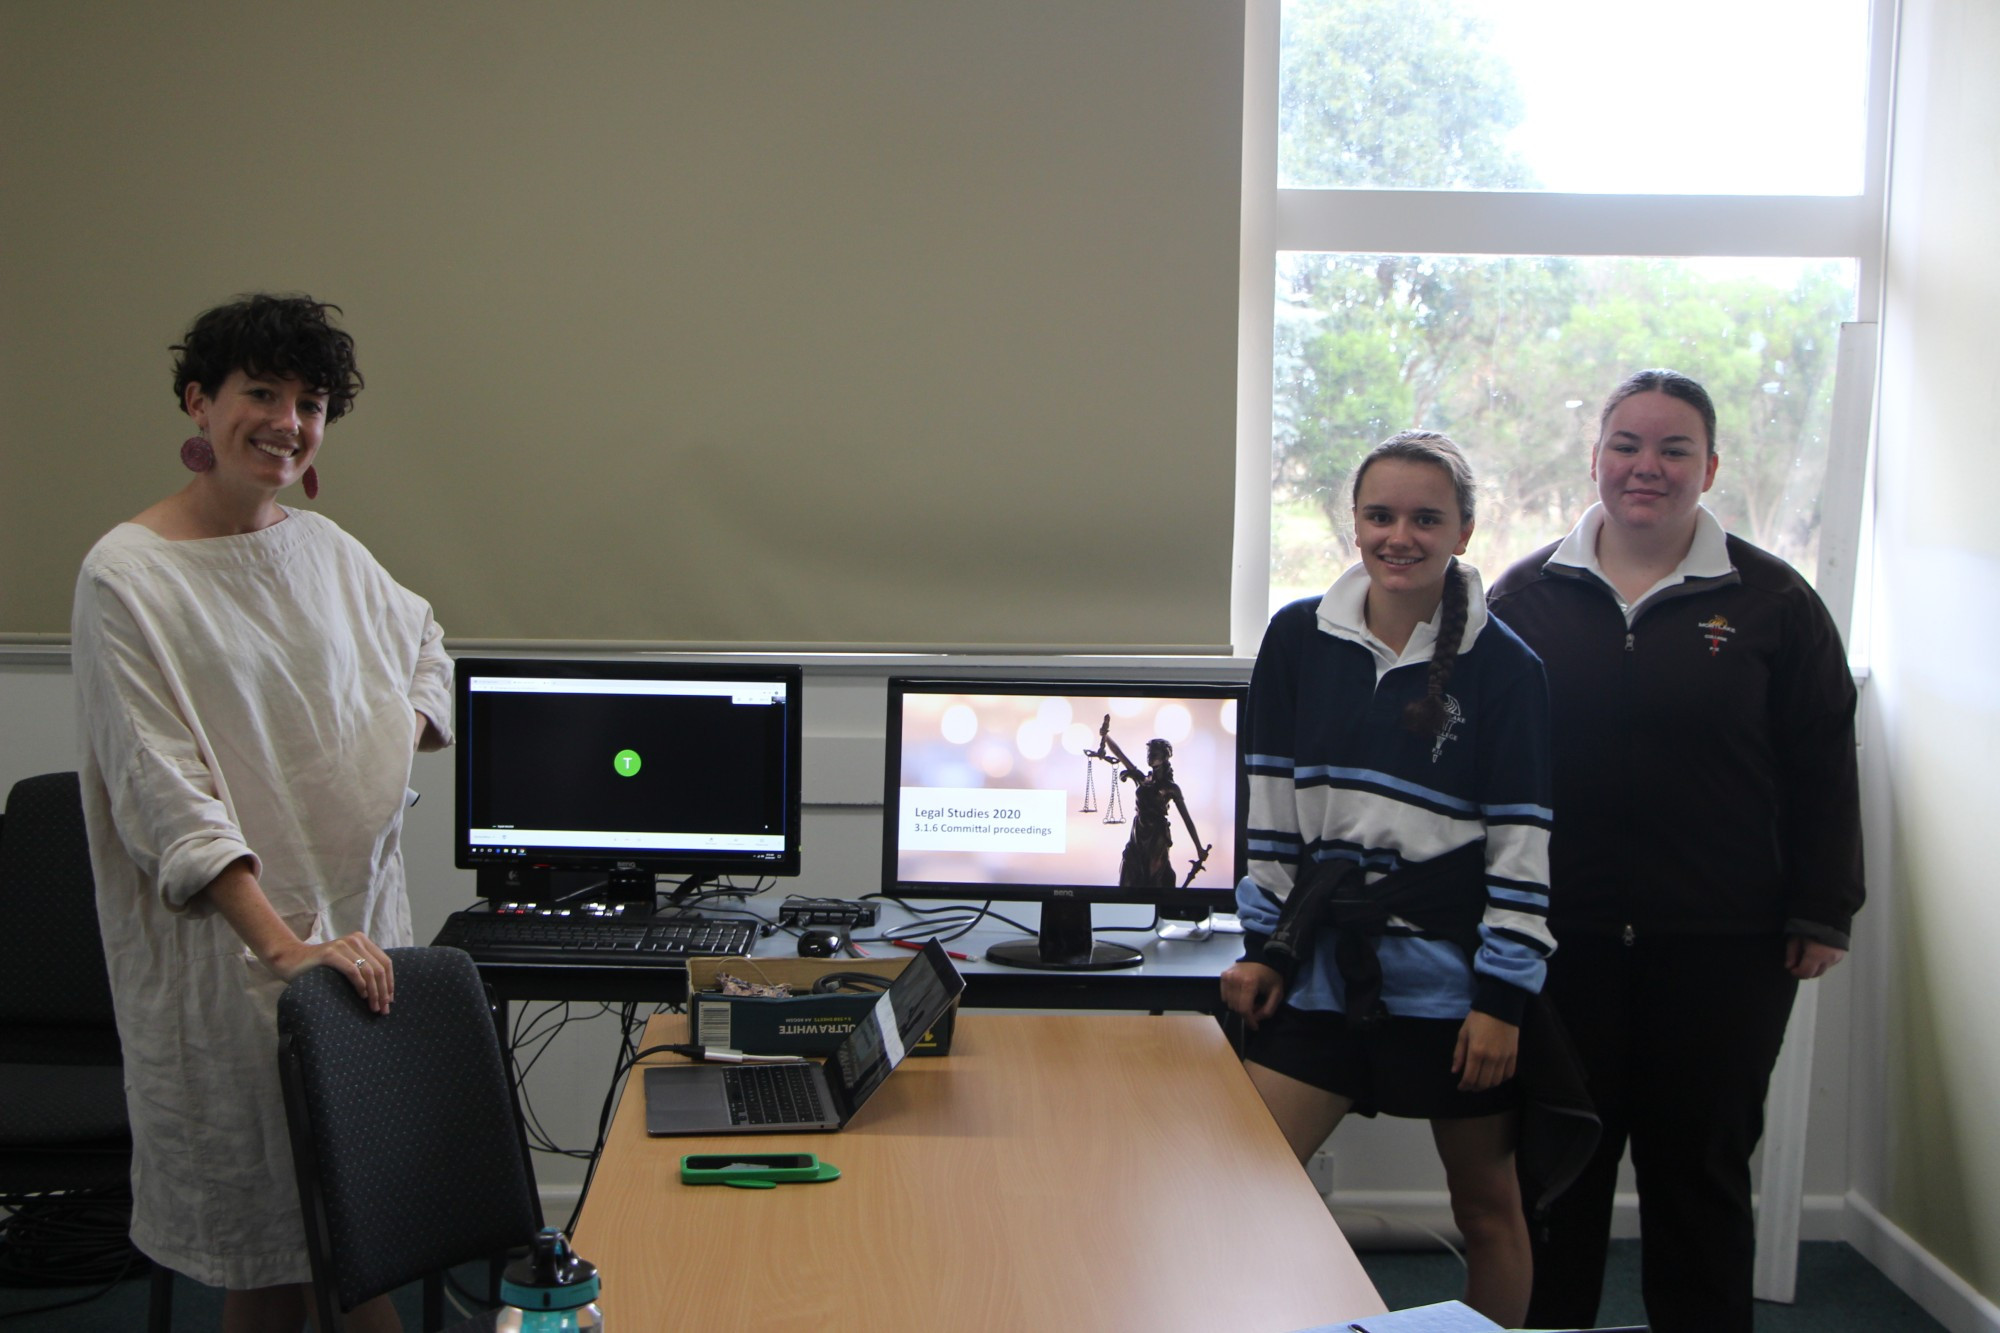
(1218, 897)
(593, 860)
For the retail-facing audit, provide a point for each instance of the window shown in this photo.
(1512, 358)
(1427, 272)
(1711, 97)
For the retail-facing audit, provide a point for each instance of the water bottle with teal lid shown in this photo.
(549, 1291)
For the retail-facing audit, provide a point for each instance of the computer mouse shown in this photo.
(821, 943)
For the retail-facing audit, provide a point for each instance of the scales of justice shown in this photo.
(1147, 861)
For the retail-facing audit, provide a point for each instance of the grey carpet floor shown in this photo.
(1838, 1290)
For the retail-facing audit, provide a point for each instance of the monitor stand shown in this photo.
(626, 885)
(677, 901)
(534, 884)
(1185, 923)
(548, 888)
(1065, 944)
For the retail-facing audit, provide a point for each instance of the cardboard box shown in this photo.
(801, 1024)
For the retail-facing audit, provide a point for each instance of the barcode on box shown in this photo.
(712, 1027)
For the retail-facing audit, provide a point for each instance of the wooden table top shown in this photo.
(1078, 1171)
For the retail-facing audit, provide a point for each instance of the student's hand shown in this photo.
(1486, 1049)
(1809, 960)
(1252, 990)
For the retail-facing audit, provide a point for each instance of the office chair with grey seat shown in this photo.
(64, 1136)
(407, 1142)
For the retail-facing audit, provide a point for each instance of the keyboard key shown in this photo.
(772, 1095)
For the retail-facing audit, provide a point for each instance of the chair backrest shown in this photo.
(408, 1146)
(51, 953)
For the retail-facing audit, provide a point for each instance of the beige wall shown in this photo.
(875, 322)
(1936, 640)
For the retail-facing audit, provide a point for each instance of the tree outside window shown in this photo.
(1511, 355)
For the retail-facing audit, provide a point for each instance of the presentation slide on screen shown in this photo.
(1066, 789)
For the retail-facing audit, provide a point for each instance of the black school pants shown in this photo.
(1678, 1035)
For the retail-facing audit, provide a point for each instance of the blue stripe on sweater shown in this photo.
(1375, 778)
(1539, 814)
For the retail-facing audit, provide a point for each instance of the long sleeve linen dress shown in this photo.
(239, 696)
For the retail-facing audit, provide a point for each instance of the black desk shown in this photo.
(1176, 975)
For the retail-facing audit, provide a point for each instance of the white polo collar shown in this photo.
(1707, 557)
(1342, 614)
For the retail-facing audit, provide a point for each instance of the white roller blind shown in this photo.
(811, 323)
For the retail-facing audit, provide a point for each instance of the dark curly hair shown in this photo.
(283, 336)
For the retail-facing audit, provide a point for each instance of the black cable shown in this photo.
(684, 913)
(525, 1032)
(917, 929)
(986, 912)
(698, 906)
(832, 982)
(625, 1064)
(625, 1067)
(533, 1028)
(960, 918)
(699, 898)
(957, 927)
(631, 1027)
(724, 887)
(68, 1240)
(576, 893)
(941, 909)
(531, 1031)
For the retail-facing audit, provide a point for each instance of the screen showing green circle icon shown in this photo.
(626, 762)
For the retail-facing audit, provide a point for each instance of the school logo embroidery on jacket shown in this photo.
(1717, 631)
(1453, 715)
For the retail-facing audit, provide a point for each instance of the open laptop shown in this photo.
(801, 1096)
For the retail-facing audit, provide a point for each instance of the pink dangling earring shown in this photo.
(197, 454)
(311, 480)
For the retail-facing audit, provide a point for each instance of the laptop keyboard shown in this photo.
(772, 1095)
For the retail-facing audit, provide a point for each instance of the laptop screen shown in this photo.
(918, 997)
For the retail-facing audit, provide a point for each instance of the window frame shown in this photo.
(1481, 222)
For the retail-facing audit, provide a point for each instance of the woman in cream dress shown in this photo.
(252, 686)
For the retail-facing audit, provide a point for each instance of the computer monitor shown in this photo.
(589, 779)
(1067, 794)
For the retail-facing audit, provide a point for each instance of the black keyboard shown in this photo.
(587, 941)
(772, 1095)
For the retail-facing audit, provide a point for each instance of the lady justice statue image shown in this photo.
(1147, 862)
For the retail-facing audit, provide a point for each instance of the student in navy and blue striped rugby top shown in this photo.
(1398, 734)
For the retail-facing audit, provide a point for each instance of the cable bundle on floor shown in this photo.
(73, 1239)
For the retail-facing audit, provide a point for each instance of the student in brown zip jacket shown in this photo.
(1706, 855)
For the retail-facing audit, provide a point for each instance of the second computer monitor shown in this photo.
(1065, 793)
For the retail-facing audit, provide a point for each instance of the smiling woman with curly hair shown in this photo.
(252, 685)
